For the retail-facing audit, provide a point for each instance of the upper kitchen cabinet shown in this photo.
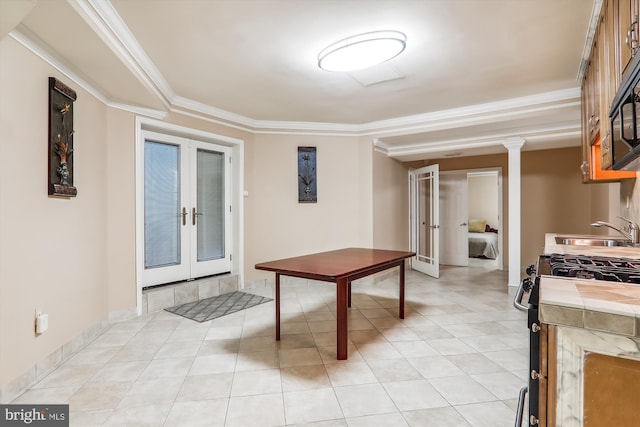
(607, 42)
(627, 28)
(600, 83)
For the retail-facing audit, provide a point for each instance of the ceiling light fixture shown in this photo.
(362, 51)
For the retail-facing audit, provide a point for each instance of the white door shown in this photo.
(425, 215)
(454, 212)
(186, 207)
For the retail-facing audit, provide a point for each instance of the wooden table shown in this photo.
(341, 266)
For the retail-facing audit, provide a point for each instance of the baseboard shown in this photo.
(154, 299)
(56, 358)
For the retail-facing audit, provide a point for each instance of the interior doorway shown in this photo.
(471, 218)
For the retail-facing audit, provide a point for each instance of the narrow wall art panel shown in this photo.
(307, 178)
(61, 98)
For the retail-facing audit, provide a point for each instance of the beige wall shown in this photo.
(279, 226)
(390, 203)
(629, 201)
(120, 211)
(52, 250)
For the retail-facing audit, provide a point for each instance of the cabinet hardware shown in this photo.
(535, 374)
(605, 147)
(632, 41)
(535, 327)
(533, 421)
(584, 168)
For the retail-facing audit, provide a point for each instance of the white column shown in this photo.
(514, 146)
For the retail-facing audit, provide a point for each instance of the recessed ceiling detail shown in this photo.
(439, 91)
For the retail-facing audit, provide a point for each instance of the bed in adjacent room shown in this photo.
(483, 240)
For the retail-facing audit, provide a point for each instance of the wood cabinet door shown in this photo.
(611, 390)
(590, 93)
(627, 34)
(594, 93)
(548, 375)
(612, 76)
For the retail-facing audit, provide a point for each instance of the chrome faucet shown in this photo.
(634, 230)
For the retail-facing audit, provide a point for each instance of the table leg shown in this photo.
(278, 306)
(349, 295)
(342, 326)
(401, 309)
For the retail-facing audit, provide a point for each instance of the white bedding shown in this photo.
(483, 245)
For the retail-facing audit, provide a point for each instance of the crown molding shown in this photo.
(588, 43)
(29, 40)
(502, 139)
(37, 46)
(109, 26)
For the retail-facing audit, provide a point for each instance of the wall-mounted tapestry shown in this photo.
(61, 98)
(307, 179)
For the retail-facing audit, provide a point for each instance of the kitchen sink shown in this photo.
(592, 241)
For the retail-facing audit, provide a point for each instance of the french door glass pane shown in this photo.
(425, 212)
(161, 204)
(211, 209)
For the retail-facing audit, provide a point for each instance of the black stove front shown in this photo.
(531, 286)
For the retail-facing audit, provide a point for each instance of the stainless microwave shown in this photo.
(625, 129)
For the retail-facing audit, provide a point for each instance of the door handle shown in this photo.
(184, 214)
(194, 214)
(463, 224)
(435, 227)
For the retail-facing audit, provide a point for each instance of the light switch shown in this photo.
(42, 323)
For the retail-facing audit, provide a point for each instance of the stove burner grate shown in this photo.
(625, 270)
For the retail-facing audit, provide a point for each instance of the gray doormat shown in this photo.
(218, 306)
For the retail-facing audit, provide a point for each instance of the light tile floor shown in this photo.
(458, 358)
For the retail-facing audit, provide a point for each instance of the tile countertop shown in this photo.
(590, 304)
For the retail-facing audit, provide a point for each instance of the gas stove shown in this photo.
(624, 270)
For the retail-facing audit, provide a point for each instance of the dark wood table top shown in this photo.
(334, 264)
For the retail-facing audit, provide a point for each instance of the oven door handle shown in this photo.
(517, 300)
(520, 410)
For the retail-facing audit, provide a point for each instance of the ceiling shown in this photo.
(475, 73)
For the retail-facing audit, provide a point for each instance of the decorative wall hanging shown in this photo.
(61, 98)
(307, 181)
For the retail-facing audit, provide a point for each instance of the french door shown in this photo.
(425, 220)
(186, 209)
(454, 214)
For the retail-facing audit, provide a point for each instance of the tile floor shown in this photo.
(458, 358)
